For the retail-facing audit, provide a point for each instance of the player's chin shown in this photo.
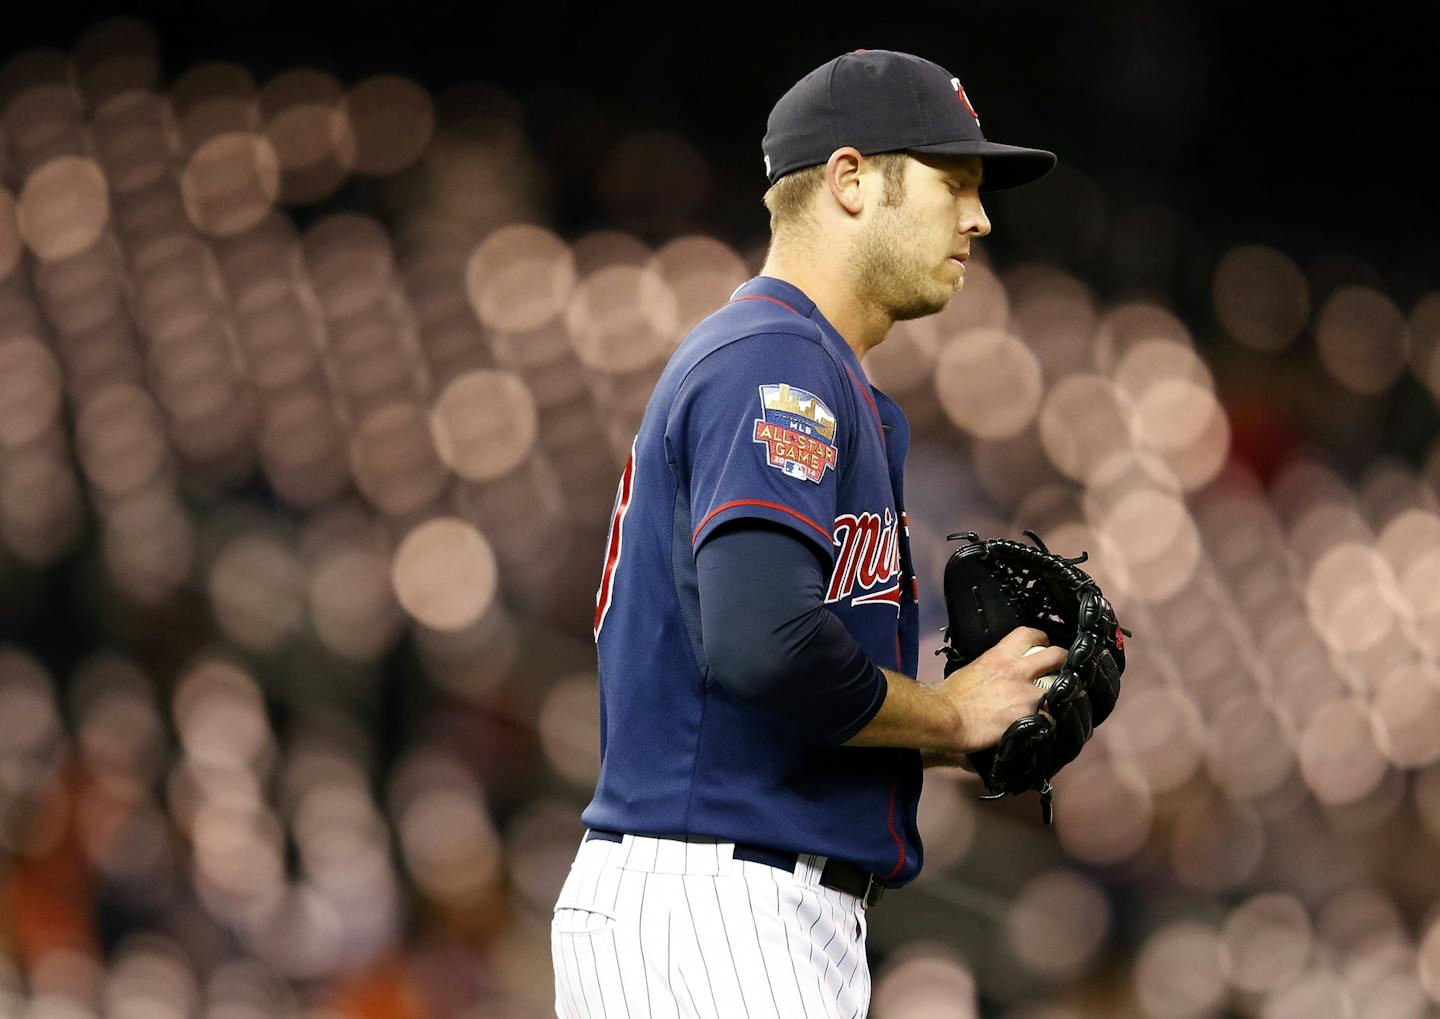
(921, 307)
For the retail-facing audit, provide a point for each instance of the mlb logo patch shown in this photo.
(797, 431)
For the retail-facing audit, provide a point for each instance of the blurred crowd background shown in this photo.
(323, 335)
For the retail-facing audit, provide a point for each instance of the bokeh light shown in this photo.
(29, 391)
(1363, 339)
(393, 460)
(392, 118)
(519, 278)
(925, 980)
(1261, 297)
(257, 588)
(1082, 421)
(622, 318)
(946, 819)
(309, 133)
(1058, 923)
(569, 726)
(1177, 972)
(702, 272)
(989, 383)
(63, 208)
(1339, 756)
(314, 391)
(1218, 843)
(1265, 942)
(484, 424)
(445, 574)
(1104, 814)
(11, 241)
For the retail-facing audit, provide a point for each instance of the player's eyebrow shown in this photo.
(964, 175)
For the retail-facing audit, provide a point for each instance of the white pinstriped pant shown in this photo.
(652, 928)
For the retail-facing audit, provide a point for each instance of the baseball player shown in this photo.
(762, 735)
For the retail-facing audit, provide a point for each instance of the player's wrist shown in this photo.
(941, 722)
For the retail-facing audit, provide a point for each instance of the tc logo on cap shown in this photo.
(960, 91)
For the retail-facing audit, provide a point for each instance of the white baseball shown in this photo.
(1043, 682)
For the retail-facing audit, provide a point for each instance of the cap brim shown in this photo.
(1005, 166)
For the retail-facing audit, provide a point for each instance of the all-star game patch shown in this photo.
(797, 430)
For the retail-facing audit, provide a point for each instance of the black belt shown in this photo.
(844, 877)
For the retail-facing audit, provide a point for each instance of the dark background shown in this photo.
(1277, 123)
(1183, 129)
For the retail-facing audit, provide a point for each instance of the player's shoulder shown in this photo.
(754, 332)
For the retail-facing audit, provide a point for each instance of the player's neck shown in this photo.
(860, 325)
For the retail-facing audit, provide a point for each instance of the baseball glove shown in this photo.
(993, 585)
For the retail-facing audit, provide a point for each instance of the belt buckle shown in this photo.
(872, 886)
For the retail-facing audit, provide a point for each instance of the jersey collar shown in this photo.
(794, 298)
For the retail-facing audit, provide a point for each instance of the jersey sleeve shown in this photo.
(759, 429)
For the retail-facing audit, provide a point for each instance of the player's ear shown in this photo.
(843, 179)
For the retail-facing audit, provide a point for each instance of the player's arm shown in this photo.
(968, 710)
(770, 640)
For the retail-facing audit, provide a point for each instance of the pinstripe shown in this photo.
(810, 939)
(684, 888)
(788, 950)
(577, 989)
(834, 927)
(856, 1012)
(640, 941)
(569, 983)
(760, 945)
(595, 971)
(608, 874)
(565, 1009)
(694, 1009)
(580, 984)
(595, 976)
(715, 884)
(856, 953)
(579, 981)
(854, 949)
(833, 907)
(669, 974)
(620, 977)
(621, 875)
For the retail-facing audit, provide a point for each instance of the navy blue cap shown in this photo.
(884, 101)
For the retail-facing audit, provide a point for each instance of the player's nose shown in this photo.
(973, 220)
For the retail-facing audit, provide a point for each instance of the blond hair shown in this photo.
(789, 198)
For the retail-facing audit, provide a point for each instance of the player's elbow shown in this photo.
(744, 670)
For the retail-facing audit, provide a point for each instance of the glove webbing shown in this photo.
(1025, 589)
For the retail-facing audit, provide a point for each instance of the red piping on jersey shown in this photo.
(762, 297)
(768, 505)
(612, 556)
(864, 389)
(865, 392)
(890, 820)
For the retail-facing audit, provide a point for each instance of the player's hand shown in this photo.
(997, 688)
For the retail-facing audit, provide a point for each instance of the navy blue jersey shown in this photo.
(763, 411)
